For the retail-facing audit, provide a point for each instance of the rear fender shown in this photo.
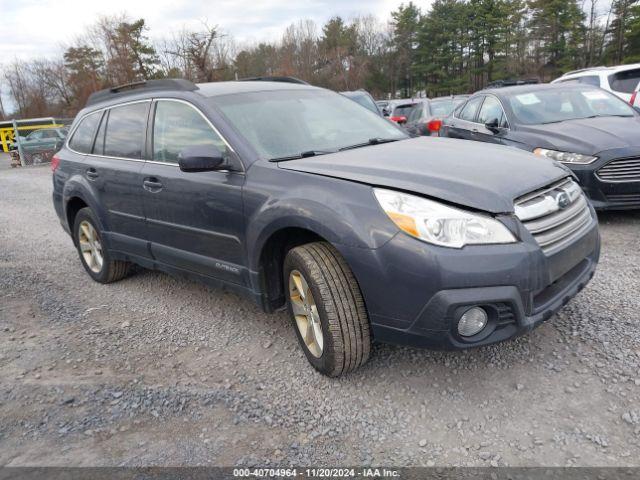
(79, 187)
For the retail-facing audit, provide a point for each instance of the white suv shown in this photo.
(621, 80)
(635, 97)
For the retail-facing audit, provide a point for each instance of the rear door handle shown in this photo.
(152, 184)
(92, 173)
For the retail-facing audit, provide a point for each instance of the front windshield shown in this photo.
(289, 122)
(556, 105)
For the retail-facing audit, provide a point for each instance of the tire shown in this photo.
(340, 312)
(109, 270)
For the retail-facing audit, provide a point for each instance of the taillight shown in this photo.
(55, 162)
(434, 125)
(633, 98)
(398, 118)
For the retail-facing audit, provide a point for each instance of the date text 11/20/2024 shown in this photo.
(315, 473)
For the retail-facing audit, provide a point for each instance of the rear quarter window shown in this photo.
(590, 80)
(82, 139)
(625, 82)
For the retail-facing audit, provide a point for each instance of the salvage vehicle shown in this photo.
(298, 197)
(591, 131)
(43, 139)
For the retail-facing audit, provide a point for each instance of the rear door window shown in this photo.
(125, 131)
(470, 109)
(82, 139)
(49, 134)
(625, 82)
(37, 135)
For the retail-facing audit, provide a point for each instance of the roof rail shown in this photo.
(274, 79)
(511, 82)
(141, 86)
(601, 67)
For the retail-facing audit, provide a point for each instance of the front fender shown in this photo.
(340, 211)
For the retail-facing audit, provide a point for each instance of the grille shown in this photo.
(621, 170)
(630, 198)
(555, 215)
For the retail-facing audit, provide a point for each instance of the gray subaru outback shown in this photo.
(300, 198)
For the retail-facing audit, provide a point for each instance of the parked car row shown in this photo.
(592, 131)
(427, 115)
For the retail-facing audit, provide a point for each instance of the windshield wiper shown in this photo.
(371, 141)
(605, 115)
(586, 118)
(305, 154)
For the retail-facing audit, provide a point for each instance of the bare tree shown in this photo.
(191, 53)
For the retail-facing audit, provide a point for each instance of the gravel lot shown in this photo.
(162, 371)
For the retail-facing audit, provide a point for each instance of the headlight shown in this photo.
(439, 224)
(565, 157)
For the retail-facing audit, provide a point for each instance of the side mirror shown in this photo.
(493, 125)
(200, 158)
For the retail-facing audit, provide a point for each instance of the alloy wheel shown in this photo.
(305, 313)
(90, 246)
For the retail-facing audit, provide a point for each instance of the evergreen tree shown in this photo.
(557, 30)
(618, 47)
(404, 22)
(632, 35)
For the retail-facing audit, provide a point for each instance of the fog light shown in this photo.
(472, 322)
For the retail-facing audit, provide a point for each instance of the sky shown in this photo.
(41, 28)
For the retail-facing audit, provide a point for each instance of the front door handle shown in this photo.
(92, 173)
(152, 184)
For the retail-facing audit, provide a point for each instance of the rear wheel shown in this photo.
(95, 257)
(327, 309)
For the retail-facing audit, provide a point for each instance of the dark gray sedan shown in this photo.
(593, 132)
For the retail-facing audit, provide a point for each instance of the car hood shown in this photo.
(589, 135)
(472, 174)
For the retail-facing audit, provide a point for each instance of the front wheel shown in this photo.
(95, 257)
(327, 309)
